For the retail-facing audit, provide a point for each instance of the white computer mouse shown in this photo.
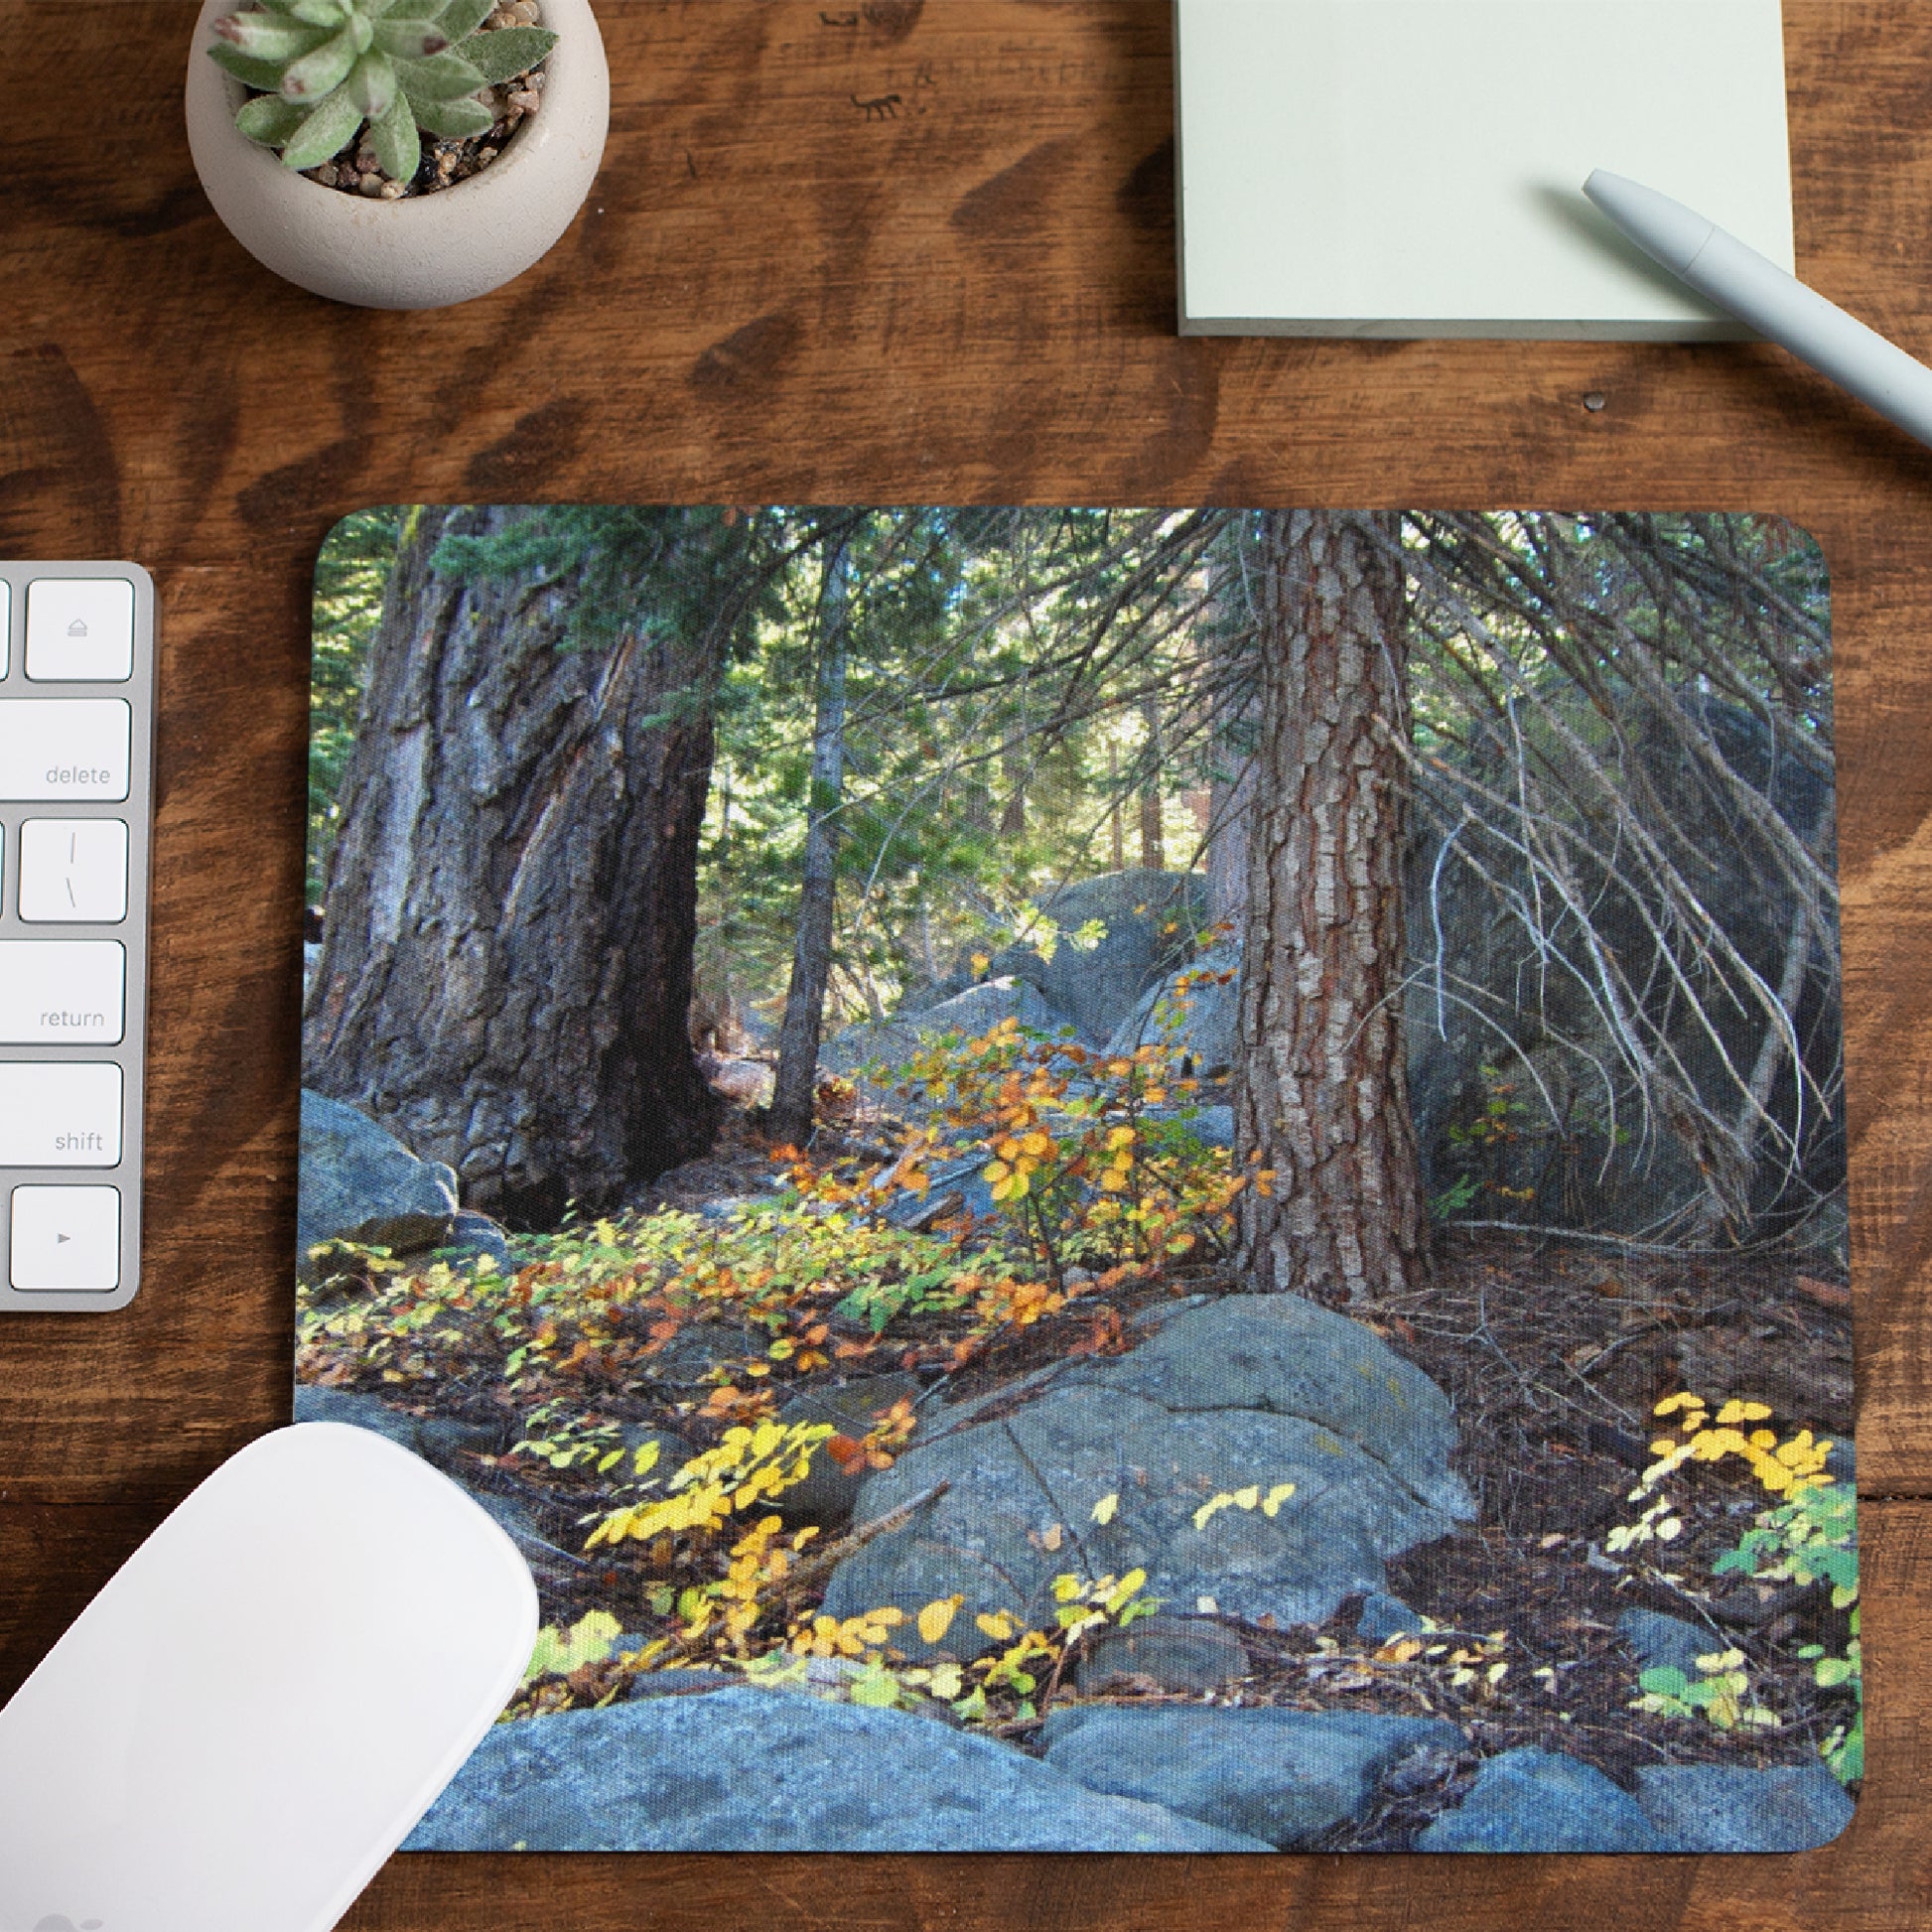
(265, 1698)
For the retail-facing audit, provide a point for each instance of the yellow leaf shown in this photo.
(1249, 1497)
(1272, 1502)
(1103, 1510)
(981, 961)
(999, 1624)
(1211, 1508)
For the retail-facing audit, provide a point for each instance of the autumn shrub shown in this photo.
(1093, 1159)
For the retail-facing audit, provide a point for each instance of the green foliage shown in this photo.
(325, 68)
(1814, 1537)
(352, 576)
(1719, 1693)
(1809, 1537)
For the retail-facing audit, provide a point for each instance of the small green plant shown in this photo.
(1719, 1693)
(325, 68)
(1813, 1537)
(1808, 1537)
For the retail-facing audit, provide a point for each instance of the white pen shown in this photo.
(1760, 293)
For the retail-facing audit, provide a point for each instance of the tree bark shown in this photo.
(1322, 1096)
(795, 1091)
(1154, 847)
(512, 901)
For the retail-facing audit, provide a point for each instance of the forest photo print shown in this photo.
(1100, 1179)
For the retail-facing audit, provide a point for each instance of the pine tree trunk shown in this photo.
(795, 1091)
(1321, 1093)
(513, 899)
(1154, 846)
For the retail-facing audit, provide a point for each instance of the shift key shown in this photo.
(64, 1115)
(64, 748)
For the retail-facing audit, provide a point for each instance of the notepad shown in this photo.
(1412, 168)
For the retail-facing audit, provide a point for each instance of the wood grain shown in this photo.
(771, 297)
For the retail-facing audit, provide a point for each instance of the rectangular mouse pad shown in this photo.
(1100, 1179)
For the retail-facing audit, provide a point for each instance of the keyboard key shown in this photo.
(6, 622)
(74, 871)
(64, 748)
(60, 1115)
(66, 1240)
(61, 992)
(81, 629)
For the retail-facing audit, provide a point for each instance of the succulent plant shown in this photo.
(326, 67)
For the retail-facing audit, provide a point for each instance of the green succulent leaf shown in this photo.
(371, 84)
(508, 51)
(410, 39)
(319, 13)
(1665, 1681)
(269, 36)
(443, 77)
(266, 76)
(461, 18)
(270, 119)
(413, 10)
(320, 73)
(334, 121)
(398, 146)
(455, 120)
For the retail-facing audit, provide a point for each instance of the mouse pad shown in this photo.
(1100, 1179)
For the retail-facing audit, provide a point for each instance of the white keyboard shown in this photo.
(77, 736)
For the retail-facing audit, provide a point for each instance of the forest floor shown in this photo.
(1553, 1353)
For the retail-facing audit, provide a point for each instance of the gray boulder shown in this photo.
(1543, 1801)
(445, 1440)
(891, 1043)
(1177, 1653)
(1194, 1011)
(1730, 1808)
(1286, 1776)
(1252, 1390)
(751, 1770)
(474, 1236)
(1666, 1642)
(827, 1495)
(1151, 921)
(361, 1183)
(1383, 1617)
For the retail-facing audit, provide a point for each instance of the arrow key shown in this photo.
(66, 1240)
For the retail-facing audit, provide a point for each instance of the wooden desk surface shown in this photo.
(772, 297)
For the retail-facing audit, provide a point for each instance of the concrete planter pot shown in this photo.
(429, 250)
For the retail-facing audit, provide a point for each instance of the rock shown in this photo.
(1669, 1642)
(827, 1495)
(687, 1360)
(1194, 1011)
(1281, 1775)
(445, 1440)
(888, 1044)
(1177, 1653)
(474, 1236)
(1727, 1808)
(1383, 1617)
(1529, 1800)
(361, 1183)
(1252, 1389)
(1149, 921)
(673, 1451)
(750, 1770)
